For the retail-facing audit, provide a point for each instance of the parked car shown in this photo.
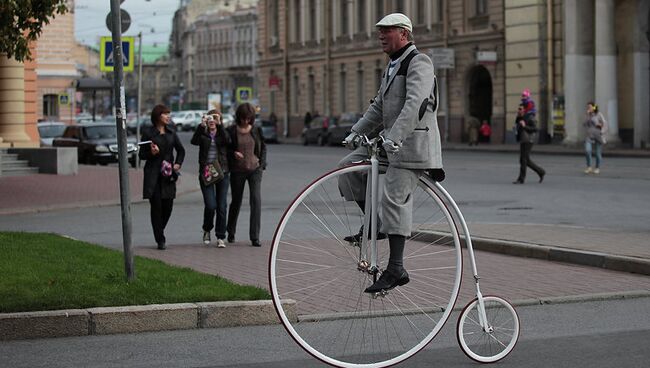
(340, 128)
(83, 117)
(269, 130)
(187, 120)
(96, 143)
(227, 119)
(145, 123)
(48, 130)
(317, 130)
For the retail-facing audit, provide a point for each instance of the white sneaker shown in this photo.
(596, 171)
(588, 170)
(206, 237)
(221, 243)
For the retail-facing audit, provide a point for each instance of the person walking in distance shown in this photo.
(596, 127)
(161, 170)
(247, 160)
(526, 136)
(213, 141)
(405, 109)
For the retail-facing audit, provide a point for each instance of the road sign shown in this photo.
(64, 99)
(244, 94)
(443, 58)
(125, 18)
(106, 54)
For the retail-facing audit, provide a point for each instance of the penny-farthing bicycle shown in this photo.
(317, 279)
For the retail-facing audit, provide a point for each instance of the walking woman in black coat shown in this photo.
(161, 169)
(246, 160)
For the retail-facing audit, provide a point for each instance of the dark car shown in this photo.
(145, 123)
(316, 132)
(96, 143)
(341, 128)
(269, 130)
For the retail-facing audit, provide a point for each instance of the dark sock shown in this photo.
(396, 259)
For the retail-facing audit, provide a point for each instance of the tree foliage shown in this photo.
(22, 21)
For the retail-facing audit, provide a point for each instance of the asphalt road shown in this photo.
(481, 183)
(593, 334)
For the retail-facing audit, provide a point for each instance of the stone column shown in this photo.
(12, 104)
(578, 67)
(606, 95)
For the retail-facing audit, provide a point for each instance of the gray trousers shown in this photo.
(396, 200)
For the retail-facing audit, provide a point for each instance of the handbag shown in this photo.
(212, 173)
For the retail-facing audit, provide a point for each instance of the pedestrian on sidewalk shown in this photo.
(526, 136)
(473, 126)
(213, 140)
(596, 127)
(247, 160)
(161, 170)
(485, 131)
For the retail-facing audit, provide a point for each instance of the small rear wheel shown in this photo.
(496, 341)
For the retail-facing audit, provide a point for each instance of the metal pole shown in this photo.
(285, 66)
(137, 114)
(120, 122)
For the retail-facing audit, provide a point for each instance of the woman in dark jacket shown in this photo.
(246, 160)
(526, 134)
(160, 175)
(213, 141)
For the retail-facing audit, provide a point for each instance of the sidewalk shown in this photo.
(543, 270)
(549, 149)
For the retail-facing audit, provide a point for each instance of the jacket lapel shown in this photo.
(399, 63)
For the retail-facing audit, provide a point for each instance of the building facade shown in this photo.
(323, 57)
(212, 48)
(57, 68)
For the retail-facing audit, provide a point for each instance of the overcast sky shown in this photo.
(90, 20)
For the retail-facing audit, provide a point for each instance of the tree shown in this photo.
(21, 21)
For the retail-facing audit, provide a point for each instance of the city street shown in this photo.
(598, 334)
(615, 201)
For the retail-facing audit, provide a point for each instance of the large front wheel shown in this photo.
(492, 340)
(317, 279)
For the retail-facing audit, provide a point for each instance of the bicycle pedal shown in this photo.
(382, 294)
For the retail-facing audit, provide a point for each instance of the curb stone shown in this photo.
(558, 254)
(139, 318)
(76, 322)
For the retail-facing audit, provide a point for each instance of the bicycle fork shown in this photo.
(482, 315)
(369, 238)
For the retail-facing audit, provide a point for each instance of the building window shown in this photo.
(399, 6)
(361, 16)
(51, 105)
(344, 16)
(311, 91)
(420, 14)
(312, 19)
(379, 10)
(294, 93)
(342, 90)
(273, 16)
(360, 89)
(379, 73)
(478, 7)
(297, 19)
(438, 11)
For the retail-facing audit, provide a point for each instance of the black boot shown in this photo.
(388, 280)
(356, 238)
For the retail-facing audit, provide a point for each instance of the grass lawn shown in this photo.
(49, 272)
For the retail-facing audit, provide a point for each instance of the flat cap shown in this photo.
(396, 20)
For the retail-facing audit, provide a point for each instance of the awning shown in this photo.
(92, 84)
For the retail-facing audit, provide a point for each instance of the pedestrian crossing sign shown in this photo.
(106, 62)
